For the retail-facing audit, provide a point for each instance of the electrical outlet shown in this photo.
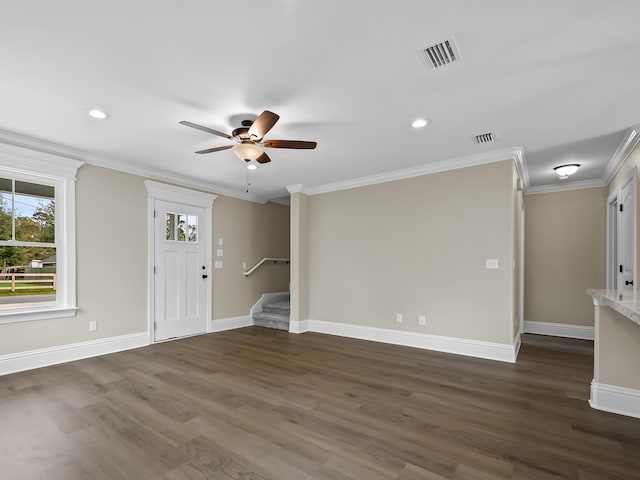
(399, 318)
(93, 326)
(422, 320)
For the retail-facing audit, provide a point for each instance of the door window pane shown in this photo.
(192, 228)
(170, 221)
(182, 227)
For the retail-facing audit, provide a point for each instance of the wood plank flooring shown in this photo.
(261, 404)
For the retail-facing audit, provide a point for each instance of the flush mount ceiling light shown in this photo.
(563, 171)
(420, 122)
(97, 114)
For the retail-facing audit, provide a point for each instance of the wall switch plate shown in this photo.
(244, 266)
(93, 326)
(219, 252)
(220, 241)
(422, 320)
(399, 318)
(492, 264)
(219, 264)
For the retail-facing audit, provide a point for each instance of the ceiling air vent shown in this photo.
(440, 54)
(484, 138)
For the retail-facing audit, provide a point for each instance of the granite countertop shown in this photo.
(625, 303)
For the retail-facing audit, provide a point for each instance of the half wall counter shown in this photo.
(616, 381)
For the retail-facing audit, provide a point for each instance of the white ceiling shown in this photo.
(556, 78)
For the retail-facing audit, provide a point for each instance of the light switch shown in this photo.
(492, 264)
(220, 241)
(219, 264)
(220, 252)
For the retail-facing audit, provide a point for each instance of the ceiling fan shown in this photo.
(250, 137)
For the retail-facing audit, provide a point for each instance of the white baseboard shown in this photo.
(613, 399)
(473, 348)
(559, 330)
(18, 362)
(230, 323)
(298, 326)
(517, 343)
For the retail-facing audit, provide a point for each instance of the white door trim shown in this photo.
(521, 270)
(613, 238)
(170, 193)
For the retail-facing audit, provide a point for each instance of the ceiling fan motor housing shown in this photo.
(241, 133)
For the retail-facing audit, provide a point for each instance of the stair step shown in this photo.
(283, 307)
(271, 320)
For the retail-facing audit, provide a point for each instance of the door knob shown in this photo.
(628, 282)
(205, 276)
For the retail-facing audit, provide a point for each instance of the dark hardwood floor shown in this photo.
(263, 404)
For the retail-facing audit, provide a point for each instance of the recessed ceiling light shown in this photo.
(420, 122)
(563, 171)
(252, 166)
(98, 114)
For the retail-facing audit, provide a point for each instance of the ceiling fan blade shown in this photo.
(262, 125)
(289, 144)
(264, 158)
(215, 149)
(204, 129)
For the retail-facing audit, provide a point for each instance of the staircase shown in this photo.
(273, 315)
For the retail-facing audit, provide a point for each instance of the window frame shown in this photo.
(60, 172)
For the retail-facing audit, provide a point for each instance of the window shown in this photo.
(181, 227)
(37, 235)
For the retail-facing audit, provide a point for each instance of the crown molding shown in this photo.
(172, 178)
(521, 168)
(516, 154)
(44, 146)
(626, 147)
(622, 153)
(566, 186)
(297, 188)
(162, 191)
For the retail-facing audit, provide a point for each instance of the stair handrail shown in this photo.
(263, 261)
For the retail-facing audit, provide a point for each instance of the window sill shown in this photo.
(15, 315)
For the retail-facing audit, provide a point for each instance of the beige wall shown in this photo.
(564, 254)
(617, 345)
(617, 349)
(417, 246)
(111, 235)
(299, 257)
(250, 232)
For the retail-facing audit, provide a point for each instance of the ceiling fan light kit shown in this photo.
(249, 138)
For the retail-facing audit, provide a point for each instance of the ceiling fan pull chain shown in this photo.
(248, 179)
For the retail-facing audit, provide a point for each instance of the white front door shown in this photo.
(181, 279)
(626, 238)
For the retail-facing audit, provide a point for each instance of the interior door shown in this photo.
(181, 272)
(626, 237)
